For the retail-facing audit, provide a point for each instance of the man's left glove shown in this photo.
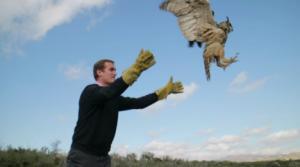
(170, 87)
(144, 61)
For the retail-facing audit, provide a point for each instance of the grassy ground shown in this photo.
(20, 157)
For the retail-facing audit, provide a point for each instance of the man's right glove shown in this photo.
(171, 87)
(144, 61)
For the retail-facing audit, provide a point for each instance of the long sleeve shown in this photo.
(98, 117)
(126, 103)
(101, 94)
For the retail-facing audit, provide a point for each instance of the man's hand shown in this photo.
(171, 87)
(144, 61)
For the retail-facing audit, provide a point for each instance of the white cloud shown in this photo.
(256, 131)
(282, 136)
(27, 20)
(239, 79)
(270, 150)
(173, 99)
(240, 84)
(190, 151)
(158, 106)
(217, 147)
(254, 85)
(156, 133)
(204, 132)
(96, 19)
(226, 139)
(162, 148)
(213, 148)
(224, 143)
(122, 150)
(188, 91)
(74, 72)
(234, 147)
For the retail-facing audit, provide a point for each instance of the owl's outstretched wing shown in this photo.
(192, 15)
(177, 7)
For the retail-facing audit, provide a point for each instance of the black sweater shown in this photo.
(98, 115)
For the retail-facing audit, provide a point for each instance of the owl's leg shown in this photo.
(221, 60)
(220, 63)
(219, 56)
(225, 62)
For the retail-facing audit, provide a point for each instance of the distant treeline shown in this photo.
(45, 157)
(21, 157)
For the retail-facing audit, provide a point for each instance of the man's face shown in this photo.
(108, 74)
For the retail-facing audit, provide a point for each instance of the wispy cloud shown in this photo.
(96, 19)
(173, 99)
(240, 79)
(240, 84)
(189, 90)
(74, 72)
(225, 139)
(162, 148)
(205, 132)
(122, 150)
(256, 131)
(226, 146)
(224, 143)
(282, 136)
(156, 133)
(29, 20)
(189, 151)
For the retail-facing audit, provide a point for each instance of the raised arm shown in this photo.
(111, 91)
(127, 103)
(170, 88)
(144, 61)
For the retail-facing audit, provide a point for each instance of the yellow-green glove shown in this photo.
(171, 87)
(144, 61)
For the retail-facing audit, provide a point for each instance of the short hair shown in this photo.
(100, 65)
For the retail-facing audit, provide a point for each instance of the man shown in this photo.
(98, 110)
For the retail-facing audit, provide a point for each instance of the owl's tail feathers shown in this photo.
(206, 66)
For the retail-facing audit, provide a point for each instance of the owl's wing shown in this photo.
(177, 7)
(191, 15)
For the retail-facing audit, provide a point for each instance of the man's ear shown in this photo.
(99, 73)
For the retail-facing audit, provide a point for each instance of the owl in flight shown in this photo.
(196, 22)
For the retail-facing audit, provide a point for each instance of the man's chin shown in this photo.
(113, 80)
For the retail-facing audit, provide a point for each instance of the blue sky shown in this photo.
(48, 48)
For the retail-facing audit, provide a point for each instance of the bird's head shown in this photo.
(226, 25)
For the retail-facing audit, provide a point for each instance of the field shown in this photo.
(44, 157)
